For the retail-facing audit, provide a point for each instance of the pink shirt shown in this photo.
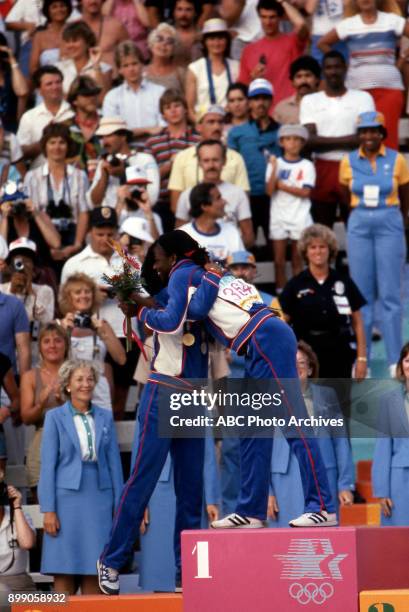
(125, 12)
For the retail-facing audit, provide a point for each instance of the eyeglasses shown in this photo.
(164, 39)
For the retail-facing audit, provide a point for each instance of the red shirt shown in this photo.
(279, 53)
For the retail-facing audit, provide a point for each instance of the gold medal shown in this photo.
(188, 339)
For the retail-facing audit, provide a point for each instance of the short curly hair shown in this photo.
(72, 365)
(64, 299)
(318, 232)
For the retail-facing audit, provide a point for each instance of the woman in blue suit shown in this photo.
(286, 495)
(80, 481)
(390, 467)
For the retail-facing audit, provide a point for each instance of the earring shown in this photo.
(68, 390)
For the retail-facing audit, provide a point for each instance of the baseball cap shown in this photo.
(240, 258)
(137, 228)
(213, 109)
(260, 87)
(103, 216)
(4, 250)
(136, 176)
(370, 119)
(214, 25)
(293, 130)
(22, 246)
(110, 125)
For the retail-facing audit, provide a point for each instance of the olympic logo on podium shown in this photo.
(311, 592)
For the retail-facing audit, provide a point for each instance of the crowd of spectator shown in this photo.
(254, 126)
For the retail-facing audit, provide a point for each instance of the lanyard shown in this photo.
(212, 92)
(50, 192)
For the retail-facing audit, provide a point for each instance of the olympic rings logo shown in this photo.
(311, 592)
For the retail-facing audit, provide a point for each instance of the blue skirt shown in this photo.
(85, 522)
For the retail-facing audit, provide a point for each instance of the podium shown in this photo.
(291, 570)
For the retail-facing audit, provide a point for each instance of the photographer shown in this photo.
(59, 189)
(110, 173)
(133, 201)
(91, 338)
(17, 536)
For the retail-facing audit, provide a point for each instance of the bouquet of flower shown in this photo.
(124, 283)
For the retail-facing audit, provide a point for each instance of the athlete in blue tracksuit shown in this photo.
(173, 364)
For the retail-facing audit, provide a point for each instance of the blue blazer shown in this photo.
(61, 463)
(336, 451)
(390, 451)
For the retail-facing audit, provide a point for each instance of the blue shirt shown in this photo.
(255, 145)
(13, 320)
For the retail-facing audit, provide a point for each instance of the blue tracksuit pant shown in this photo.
(188, 457)
(271, 356)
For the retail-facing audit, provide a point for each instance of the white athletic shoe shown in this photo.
(235, 521)
(315, 519)
(108, 579)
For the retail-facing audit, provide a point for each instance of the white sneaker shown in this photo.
(108, 579)
(315, 519)
(235, 521)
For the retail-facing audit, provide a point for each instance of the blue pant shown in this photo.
(376, 255)
(271, 356)
(188, 457)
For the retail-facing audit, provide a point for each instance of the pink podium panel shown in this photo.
(289, 570)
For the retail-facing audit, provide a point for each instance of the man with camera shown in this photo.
(110, 172)
(17, 536)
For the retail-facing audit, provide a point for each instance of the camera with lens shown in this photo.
(116, 159)
(13, 192)
(132, 202)
(18, 264)
(83, 320)
(60, 214)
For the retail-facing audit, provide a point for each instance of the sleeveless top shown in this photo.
(51, 402)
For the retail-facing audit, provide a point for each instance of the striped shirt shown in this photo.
(372, 50)
(163, 146)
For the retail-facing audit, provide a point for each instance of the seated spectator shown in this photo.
(80, 482)
(331, 115)
(188, 47)
(208, 78)
(134, 235)
(110, 172)
(207, 211)
(17, 536)
(185, 168)
(134, 16)
(54, 109)
(242, 18)
(58, 189)
(8, 383)
(109, 32)
(305, 74)
(242, 264)
(133, 200)
(91, 338)
(162, 69)
(175, 137)
(270, 57)
(375, 181)
(10, 150)
(391, 455)
(255, 140)
(289, 180)
(162, 10)
(136, 101)
(24, 18)
(212, 157)
(82, 57)
(13, 87)
(47, 41)
(40, 391)
(237, 106)
(83, 97)
(379, 31)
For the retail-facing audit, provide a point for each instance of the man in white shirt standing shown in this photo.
(207, 209)
(212, 157)
(331, 118)
(54, 109)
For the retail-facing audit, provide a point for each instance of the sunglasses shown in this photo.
(165, 39)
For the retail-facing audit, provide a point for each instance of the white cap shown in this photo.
(290, 129)
(135, 175)
(4, 250)
(260, 87)
(110, 125)
(22, 244)
(214, 25)
(137, 228)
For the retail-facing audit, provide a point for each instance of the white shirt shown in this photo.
(327, 15)
(95, 265)
(335, 116)
(33, 122)
(225, 241)
(294, 174)
(146, 162)
(39, 306)
(20, 556)
(26, 10)
(237, 203)
(138, 108)
(11, 151)
(220, 82)
(248, 26)
(70, 72)
(86, 441)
